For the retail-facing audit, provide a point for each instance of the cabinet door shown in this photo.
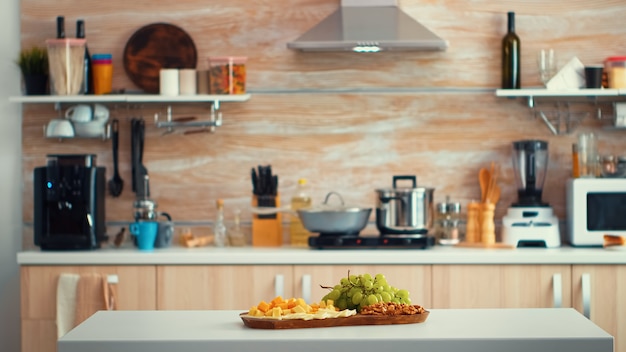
(501, 286)
(599, 292)
(414, 278)
(136, 290)
(221, 286)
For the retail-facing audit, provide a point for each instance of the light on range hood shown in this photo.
(369, 26)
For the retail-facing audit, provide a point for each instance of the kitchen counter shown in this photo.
(307, 256)
(513, 330)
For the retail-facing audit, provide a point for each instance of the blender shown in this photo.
(530, 222)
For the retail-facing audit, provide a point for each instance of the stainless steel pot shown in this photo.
(340, 220)
(404, 210)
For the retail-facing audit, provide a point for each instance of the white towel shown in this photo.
(80, 296)
(66, 302)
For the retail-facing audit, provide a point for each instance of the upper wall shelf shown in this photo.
(130, 98)
(564, 95)
(573, 93)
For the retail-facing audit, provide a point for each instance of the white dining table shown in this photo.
(468, 330)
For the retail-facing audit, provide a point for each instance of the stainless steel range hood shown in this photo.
(368, 26)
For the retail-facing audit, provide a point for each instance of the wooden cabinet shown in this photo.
(599, 292)
(182, 287)
(501, 286)
(135, 291)
(242, 286)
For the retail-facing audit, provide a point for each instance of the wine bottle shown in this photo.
(88, 80)
(60, 27)
(511, 47)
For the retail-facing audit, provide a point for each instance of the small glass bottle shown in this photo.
(219, 229)
(236, 237)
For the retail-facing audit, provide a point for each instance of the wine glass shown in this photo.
(546, 62)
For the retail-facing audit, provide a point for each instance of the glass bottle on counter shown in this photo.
(219, 228)
(298, 235)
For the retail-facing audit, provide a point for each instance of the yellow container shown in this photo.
(267, 232)
(102, 68)
(616, 71)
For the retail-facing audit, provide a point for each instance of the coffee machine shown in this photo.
(69, 197)
(530, 222)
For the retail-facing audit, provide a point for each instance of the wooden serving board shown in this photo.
(359, 319)
(157, 46)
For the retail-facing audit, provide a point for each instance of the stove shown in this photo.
(356, 241)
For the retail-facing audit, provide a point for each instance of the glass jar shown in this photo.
(448, 223)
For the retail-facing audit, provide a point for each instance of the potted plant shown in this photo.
(33, 63)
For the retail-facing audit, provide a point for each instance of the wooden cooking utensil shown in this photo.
(484, 179)
(494, 197)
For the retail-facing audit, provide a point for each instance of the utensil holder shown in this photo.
(267, 230)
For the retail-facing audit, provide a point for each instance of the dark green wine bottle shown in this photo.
(511, 48)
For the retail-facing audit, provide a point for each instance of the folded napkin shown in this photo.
(80, 296)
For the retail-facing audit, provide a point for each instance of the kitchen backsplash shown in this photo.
(347, 122)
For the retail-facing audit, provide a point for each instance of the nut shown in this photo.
(390, 308)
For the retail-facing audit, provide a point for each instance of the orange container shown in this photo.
(227, 75)
(267, 232)
(102, 68)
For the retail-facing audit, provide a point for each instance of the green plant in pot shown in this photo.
(33, 63)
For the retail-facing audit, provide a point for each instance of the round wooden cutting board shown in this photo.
(157, 46)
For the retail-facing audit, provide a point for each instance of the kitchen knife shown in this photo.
(255, 182)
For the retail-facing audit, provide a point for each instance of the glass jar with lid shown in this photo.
(448, 222)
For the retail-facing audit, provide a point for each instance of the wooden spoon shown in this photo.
(484, 179)
(495, 194)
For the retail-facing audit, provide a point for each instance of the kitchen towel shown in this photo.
(66, 302)
(80, 296)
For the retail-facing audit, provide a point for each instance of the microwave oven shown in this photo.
(595, 207)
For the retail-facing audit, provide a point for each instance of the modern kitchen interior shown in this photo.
(297, 164)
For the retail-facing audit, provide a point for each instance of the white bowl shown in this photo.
(59, 128)
(90, 129)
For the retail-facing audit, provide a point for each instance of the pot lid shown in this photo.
(405, 189)
(328, 207)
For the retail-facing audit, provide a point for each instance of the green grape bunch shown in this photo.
(358, 291)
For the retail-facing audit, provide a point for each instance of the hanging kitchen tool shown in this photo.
(116, 184)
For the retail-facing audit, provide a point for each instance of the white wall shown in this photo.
(10, 179)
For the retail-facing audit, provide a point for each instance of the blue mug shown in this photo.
(145, 232)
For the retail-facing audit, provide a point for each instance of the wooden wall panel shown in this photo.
(347, 122)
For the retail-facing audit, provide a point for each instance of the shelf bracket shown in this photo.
(559, 119)
(170, 123)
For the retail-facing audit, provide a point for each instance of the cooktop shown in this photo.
(365, 242)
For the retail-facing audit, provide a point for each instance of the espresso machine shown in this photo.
(530, 222)
(69, 210)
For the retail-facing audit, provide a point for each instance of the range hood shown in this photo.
(368, 26)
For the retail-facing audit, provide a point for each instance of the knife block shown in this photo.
(267, 232)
